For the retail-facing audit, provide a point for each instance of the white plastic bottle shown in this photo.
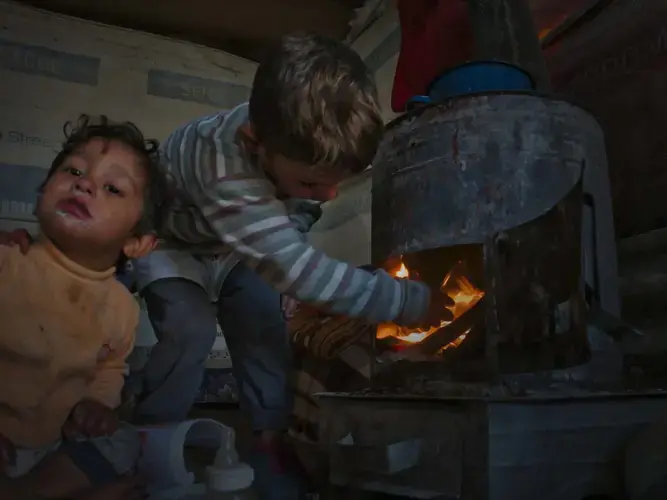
(229, 479)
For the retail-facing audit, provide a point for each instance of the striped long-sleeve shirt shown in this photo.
(227, 205)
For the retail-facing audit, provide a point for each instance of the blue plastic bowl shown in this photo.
(478, 77)
(416, 101)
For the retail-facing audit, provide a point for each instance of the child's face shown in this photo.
(95, 198)
(293, 178)
(299, 180)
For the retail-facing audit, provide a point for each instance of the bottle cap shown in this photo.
(235, 478)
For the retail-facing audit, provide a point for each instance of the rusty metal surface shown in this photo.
(535, 280)
(520, 449)
(385, 423)
(460, 172)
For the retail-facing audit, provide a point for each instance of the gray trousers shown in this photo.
(184, 321)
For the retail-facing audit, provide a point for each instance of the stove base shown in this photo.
(554, 446)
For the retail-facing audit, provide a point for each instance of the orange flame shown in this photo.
(402, 272)
(462, 292)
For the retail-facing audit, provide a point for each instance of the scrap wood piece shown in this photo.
(461, 326)
(428, 347)
(327, 336)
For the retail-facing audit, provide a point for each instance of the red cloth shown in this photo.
(435, 35)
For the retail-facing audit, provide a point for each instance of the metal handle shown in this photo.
(592, 294)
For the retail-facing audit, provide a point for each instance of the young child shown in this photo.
(249, 182)
(67, 324)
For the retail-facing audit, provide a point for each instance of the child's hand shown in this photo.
(19, 237)
(289, 306)
(438, 310)
(7, 454)
(91, 419)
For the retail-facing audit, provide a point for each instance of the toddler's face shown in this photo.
(95, 198)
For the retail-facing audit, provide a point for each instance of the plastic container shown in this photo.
(232, 483)
(417, 101)
(172, 471)
(472, 78)
(479, 76)
(228, 478)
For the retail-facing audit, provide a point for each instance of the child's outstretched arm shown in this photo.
(246, 215)
(257, 227)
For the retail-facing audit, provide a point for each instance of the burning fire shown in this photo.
(459, 288)
(402, 272)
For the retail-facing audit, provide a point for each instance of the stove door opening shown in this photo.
(459, 273)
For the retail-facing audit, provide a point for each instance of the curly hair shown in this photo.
(313, 99)
(147, 151)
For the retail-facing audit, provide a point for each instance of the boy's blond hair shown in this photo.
(314, 100)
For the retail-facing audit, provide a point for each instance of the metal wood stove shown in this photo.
(482, 195)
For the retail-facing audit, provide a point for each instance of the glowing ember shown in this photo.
(456, 342)
(402, 272)
(462, 292)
